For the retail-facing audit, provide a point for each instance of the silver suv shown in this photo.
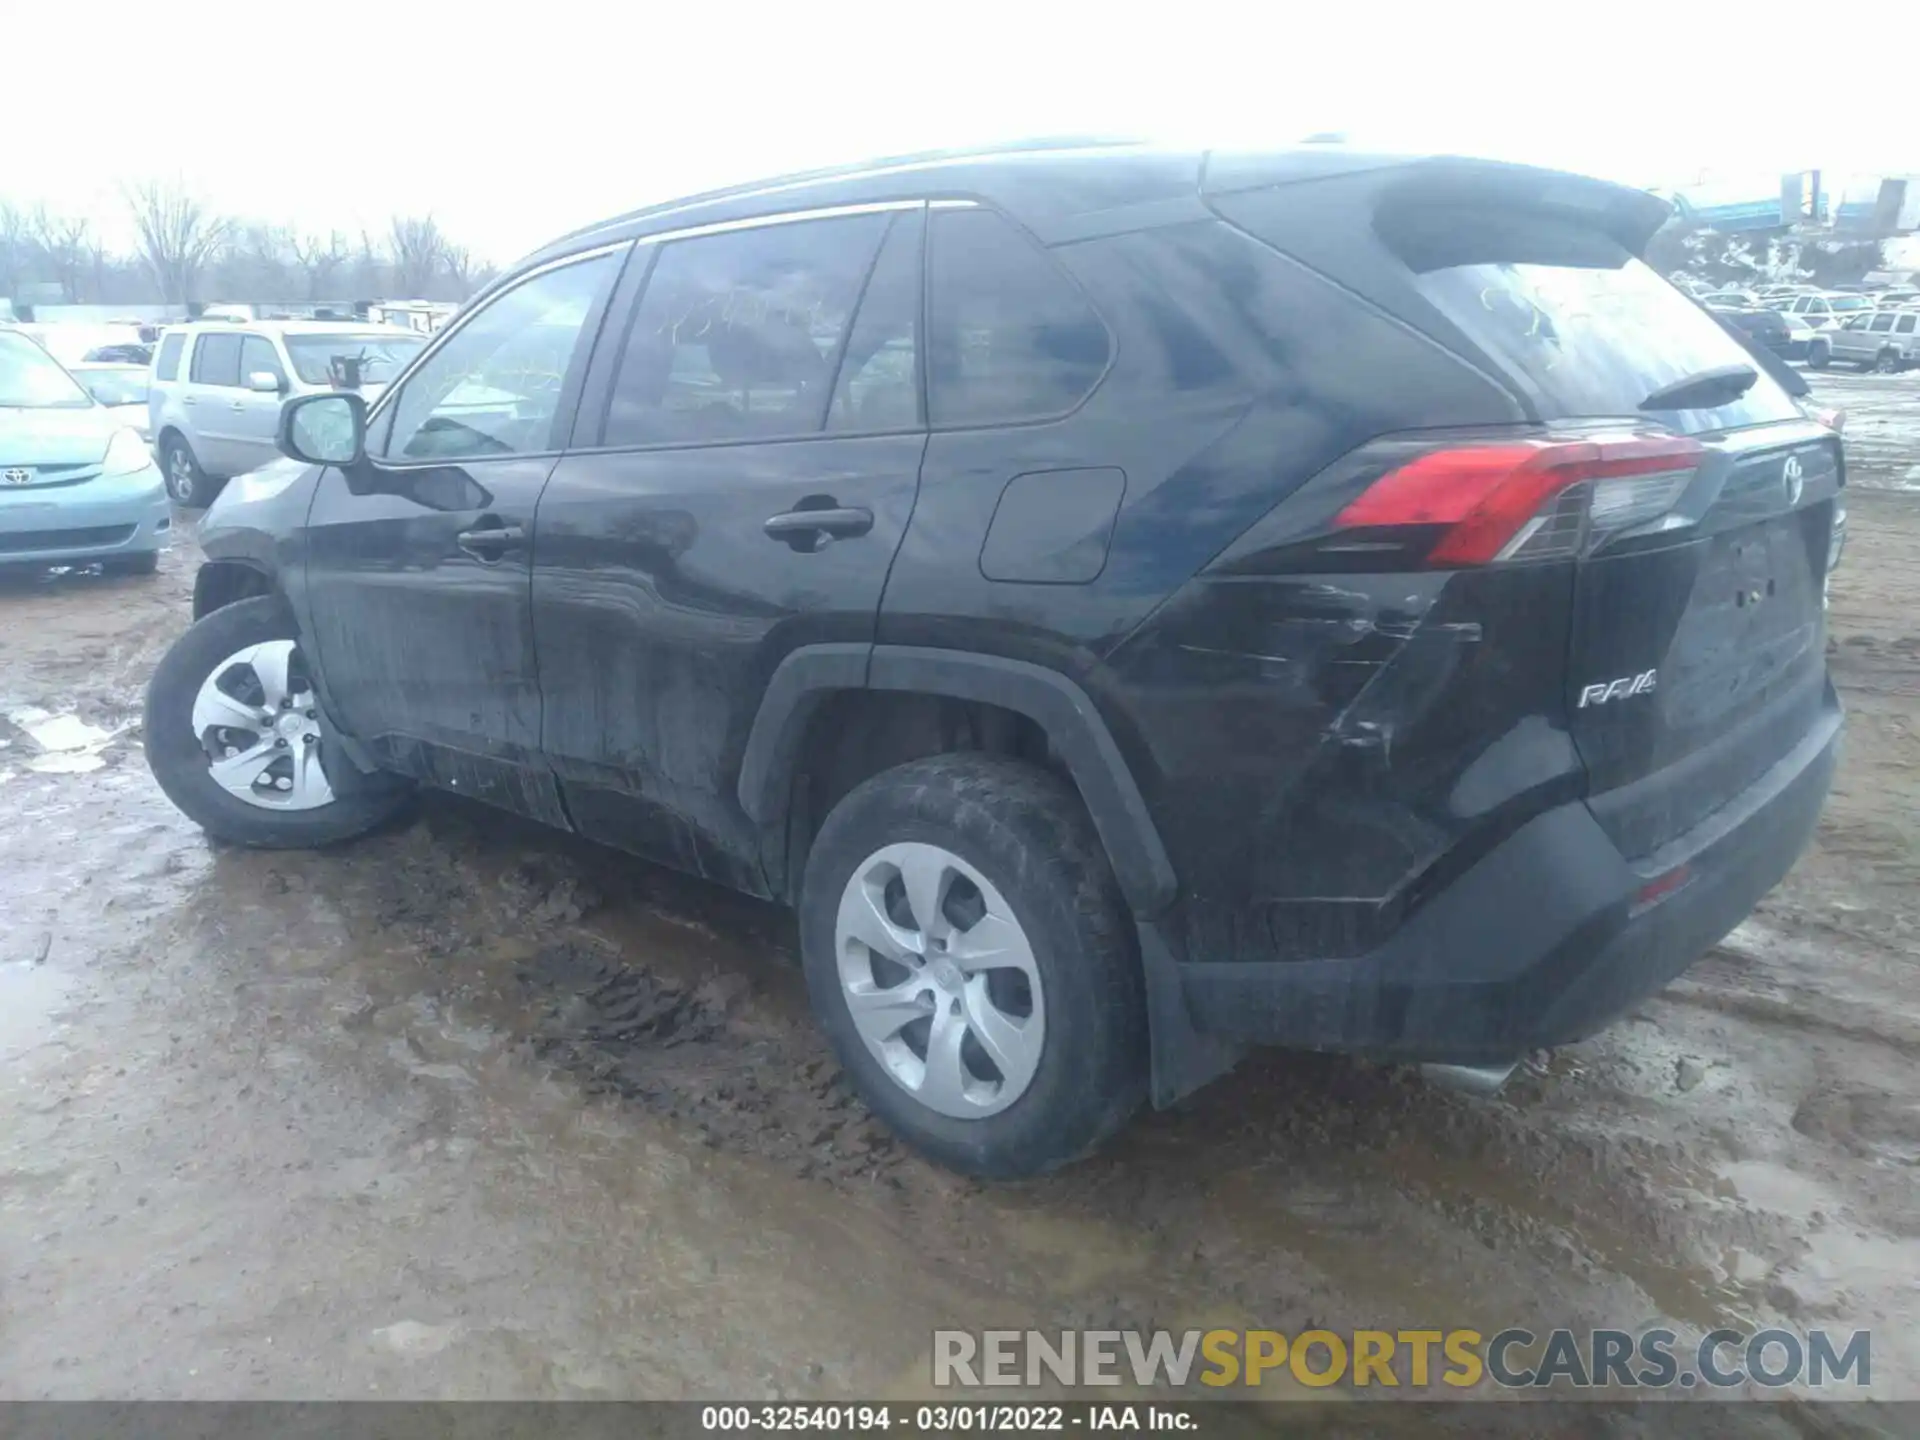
(214, 403)
(1886, 340)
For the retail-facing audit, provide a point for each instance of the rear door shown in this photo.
(1905, 327)
(1696, 657)
(748, 451)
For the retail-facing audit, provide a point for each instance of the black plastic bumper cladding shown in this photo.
(1535, 945)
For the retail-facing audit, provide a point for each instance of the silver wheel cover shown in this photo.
(951, 1008)
(266, 753)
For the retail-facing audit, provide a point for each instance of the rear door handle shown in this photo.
(798, 527)
(490, 542)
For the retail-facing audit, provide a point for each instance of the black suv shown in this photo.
(1134, 605)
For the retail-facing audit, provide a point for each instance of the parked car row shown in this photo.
(77, 480)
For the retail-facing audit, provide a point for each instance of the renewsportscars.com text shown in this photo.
(1513, 1358)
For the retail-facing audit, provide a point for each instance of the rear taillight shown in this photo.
(1833, 417)
(1529, 500)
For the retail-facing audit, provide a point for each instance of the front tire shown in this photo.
(189, 486)
(1003, 1032)
(1819, 355)
(233, 737)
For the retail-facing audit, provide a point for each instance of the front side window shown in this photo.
(216, 360)
(167, 365)
(30, 379)
(1010, 335)
(494, 387)
(738, 334)
(1859, 322)
(257, 356)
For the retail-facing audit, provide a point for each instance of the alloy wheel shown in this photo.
(257, 718)
(940, 980)
(179, 473)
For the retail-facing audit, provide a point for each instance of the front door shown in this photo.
(750, 447)
(208, 402)
(418, 559)
(256, 413)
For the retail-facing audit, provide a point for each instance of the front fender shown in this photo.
(257, 524)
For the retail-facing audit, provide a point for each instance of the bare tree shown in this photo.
(419, 250)
(179, 235)
(319, 259)
(16, 248)
(254, 264)
(466, 274)
(63, 246)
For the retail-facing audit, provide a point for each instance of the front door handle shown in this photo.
(810, 529)
(490, 542)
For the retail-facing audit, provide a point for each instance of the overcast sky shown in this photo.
(515, 122)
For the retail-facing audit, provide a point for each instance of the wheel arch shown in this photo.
(1059, 708)
(220, 583)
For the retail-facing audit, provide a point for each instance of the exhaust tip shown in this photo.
(1480, 1080)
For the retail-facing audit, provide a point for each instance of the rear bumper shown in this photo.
(118, 515)
(1537, 944)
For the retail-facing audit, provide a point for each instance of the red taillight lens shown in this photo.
(1833, 417)
(1517, 500)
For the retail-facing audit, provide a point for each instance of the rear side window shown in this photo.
(1880, 323)
(166, 365)
(1906, 325)
(216, 360)
(879, 384)
(737, 335)
(1587, 328)
(1010, 335)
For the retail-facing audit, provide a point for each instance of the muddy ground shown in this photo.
(470, 1110)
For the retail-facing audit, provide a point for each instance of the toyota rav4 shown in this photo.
(1134, 606)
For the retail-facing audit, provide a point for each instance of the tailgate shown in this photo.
(1697, 658)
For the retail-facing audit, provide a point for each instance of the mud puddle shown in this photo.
(467, 1109)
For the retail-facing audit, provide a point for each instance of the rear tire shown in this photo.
(182, 762)
(189, 486)
(1887, 362)
(1048, 887)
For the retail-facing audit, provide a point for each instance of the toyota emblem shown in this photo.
(1790, 476)
(18, 475)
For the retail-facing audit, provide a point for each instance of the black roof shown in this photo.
(1070, 189)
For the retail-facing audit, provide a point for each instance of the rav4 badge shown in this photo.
(1621, 689)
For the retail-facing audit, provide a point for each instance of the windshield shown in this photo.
(113, 387)
(1849, 302)
(383, 356)
(30, 379)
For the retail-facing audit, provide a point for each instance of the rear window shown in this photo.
(166, 365)
(1575, 319)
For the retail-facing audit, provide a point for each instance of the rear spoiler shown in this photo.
(1629, 216)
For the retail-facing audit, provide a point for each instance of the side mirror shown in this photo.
(265, 382)
(328, 429)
